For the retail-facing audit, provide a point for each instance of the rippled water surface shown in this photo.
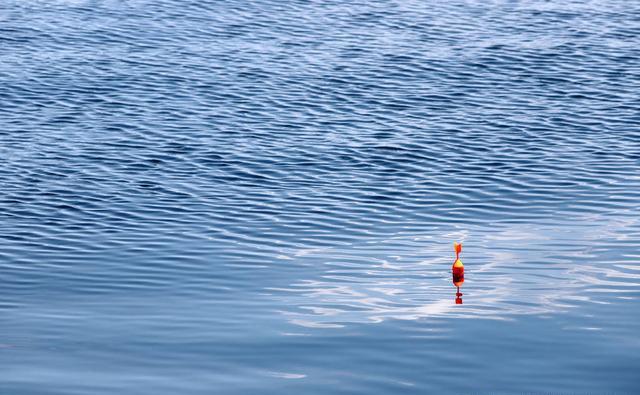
(260, 197)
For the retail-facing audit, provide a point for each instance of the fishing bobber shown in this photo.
(458, 268)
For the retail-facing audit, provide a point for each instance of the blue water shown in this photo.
(261, 197)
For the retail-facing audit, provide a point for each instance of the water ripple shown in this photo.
(249, 180)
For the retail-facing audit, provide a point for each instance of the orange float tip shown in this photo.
(457, 247)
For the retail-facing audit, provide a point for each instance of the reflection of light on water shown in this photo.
(284, 375)
(515, 270)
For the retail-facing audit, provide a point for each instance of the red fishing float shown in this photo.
(458, 272)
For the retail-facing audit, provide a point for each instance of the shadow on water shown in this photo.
(458, 296)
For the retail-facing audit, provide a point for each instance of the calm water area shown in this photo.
(261, 197)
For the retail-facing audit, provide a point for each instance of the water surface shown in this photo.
(261, 197)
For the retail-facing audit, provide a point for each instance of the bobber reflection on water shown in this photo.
(457, 271)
